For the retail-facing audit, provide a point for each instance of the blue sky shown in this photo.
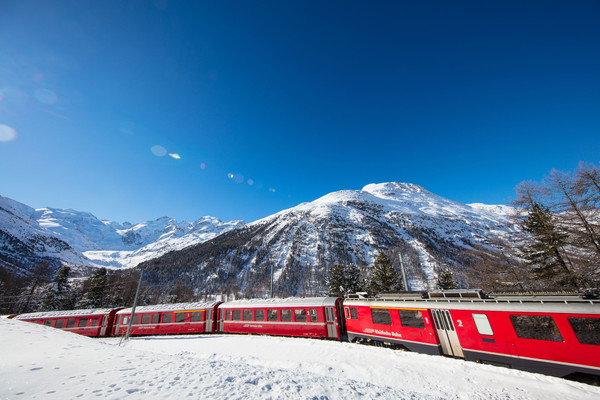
(269, 104)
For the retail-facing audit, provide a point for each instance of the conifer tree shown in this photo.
(95, 294)
(383, 276)
(446, 280)
(545, 250)
(344, 279)
(57, 296)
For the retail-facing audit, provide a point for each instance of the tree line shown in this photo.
(46, 289)
(382, 277)
(558, 244)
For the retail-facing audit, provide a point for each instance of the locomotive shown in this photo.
(557, 335)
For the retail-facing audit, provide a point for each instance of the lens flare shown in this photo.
(46, 96)
(238, 178)
(250, 182)
(175, 156)
(202, 166)
(230, 175)
(7, 134)
(158, 151)
(271, 190)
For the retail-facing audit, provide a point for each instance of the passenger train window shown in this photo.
(179, 317)
(353, 313)
(136, 319)
(271, 315)
(146, 319)
(300, 315)
(196, 316)
(155, 318)
(228, 315)
(482, 324)
(540, 327)
(236, 315)
(82, 322)
(59, 323)
(259, 315)
(381, 316)
(286, 315)
(166, 318)
(247, 315)
(48, 322)
(586, 329)
(125, 320)
(95, 321)
(411, 319)
(313, 315)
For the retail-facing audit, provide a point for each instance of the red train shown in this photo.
(554, 335)
(95, 323)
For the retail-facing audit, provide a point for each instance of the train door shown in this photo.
(330, 322)
(221, 319)
(209, 321)
(104, 326)
(447, 333)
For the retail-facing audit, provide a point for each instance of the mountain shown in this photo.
(350, 226)
(24, 243)
(79, 238)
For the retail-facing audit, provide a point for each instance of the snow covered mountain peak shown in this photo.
(78, 237)
(394, 189)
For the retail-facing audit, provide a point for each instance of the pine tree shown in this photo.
(383, 276)
(57, 296)
(446, 280)
(545, 251)
(344, 279)
(95, 294)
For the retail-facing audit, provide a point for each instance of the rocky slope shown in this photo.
(342, 227)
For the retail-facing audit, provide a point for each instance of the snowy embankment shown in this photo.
(42, 362)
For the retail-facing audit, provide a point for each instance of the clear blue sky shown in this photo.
(294, 99)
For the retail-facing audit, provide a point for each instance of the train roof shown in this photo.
(288, 302)
(172, 307)
(554, 304)
(66, 313)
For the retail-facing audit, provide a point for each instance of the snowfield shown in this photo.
(46, 363)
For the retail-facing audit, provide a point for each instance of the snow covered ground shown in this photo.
(46, 363)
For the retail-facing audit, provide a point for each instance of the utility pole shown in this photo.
(271, 280)
(404, 281)
(137, 293)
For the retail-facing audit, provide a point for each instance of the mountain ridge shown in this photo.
(348, 226)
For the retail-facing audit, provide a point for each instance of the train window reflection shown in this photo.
(540, 327)
(411, 319)
(586, 329)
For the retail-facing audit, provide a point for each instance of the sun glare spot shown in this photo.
(46, 96)
(238, 178)
(230, 175)
(250, 182)
(175, 156)
(7, 133)
(271, 190)
(158, 151)
(202, 166)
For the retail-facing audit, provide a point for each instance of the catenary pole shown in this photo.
(137, 293)
(271, 280)
(404, 281)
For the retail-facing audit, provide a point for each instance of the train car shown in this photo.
(303, 317)
(92, 322)
(168, 319)
(554, 335)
